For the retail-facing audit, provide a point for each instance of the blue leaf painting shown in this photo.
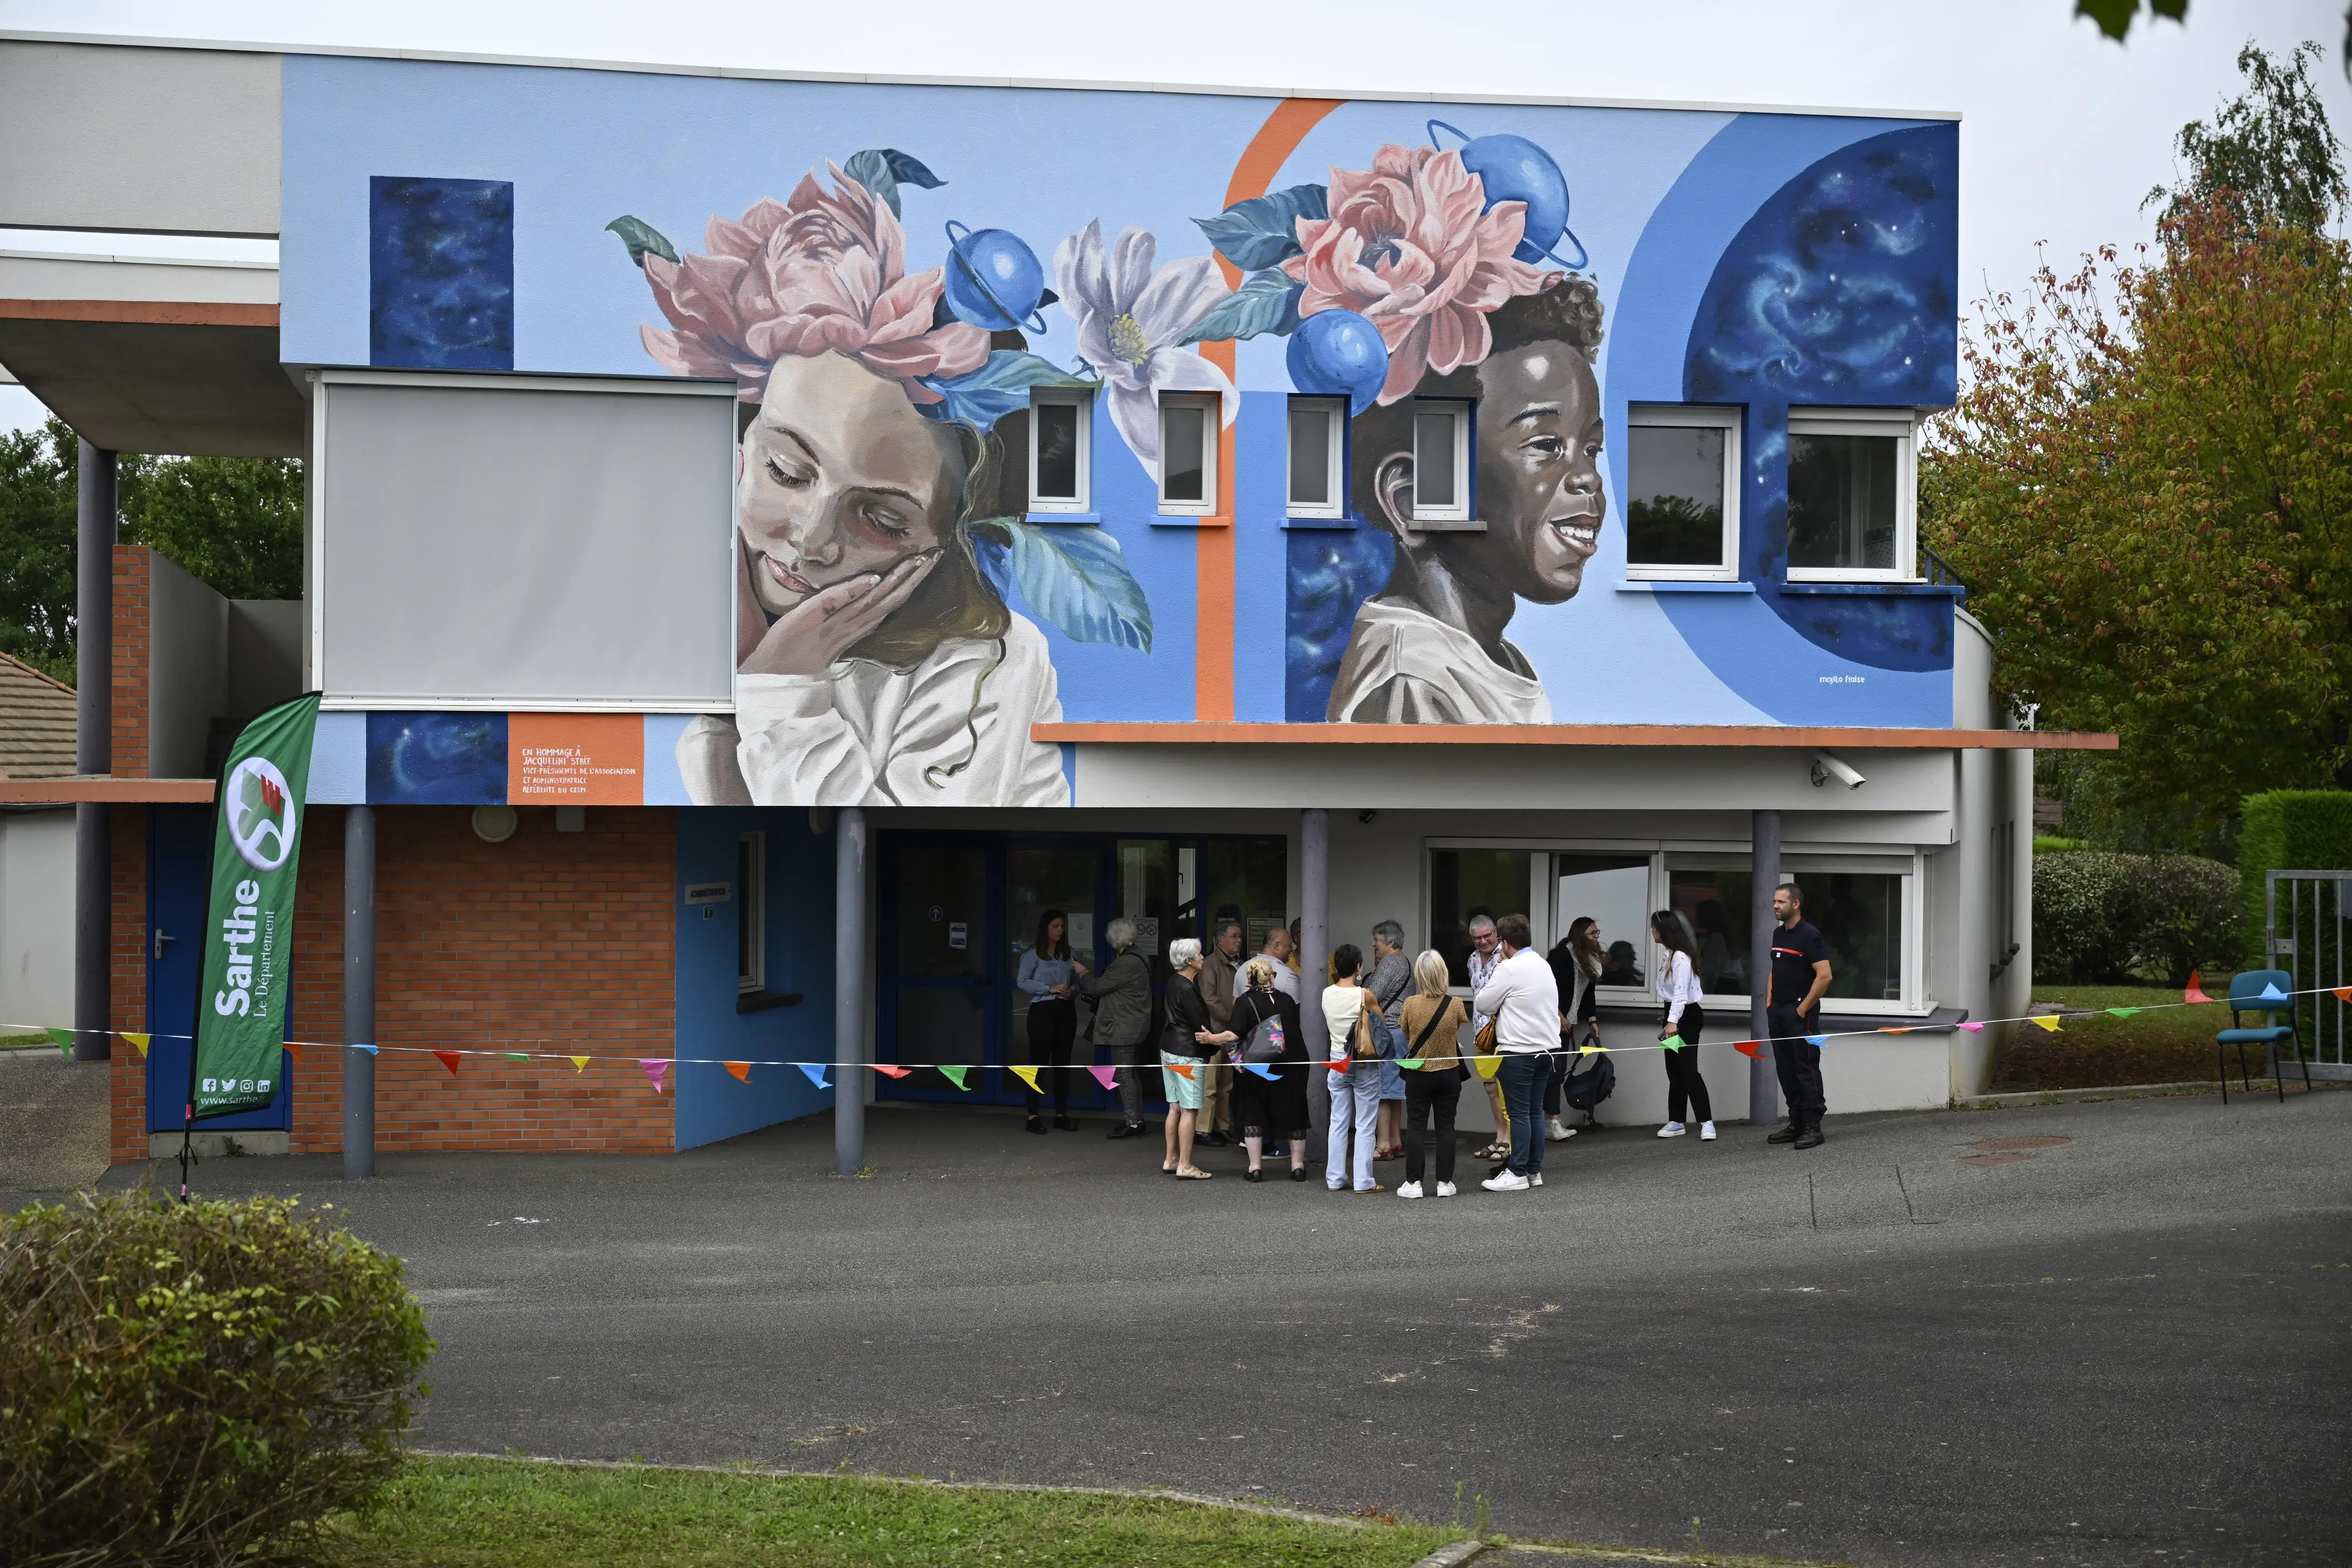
(1267, 302)
(882, 170)
(909, 170)
(1073, 577)
(997, 389)
(1255, 234)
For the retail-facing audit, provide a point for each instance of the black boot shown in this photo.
(1037, 1125)
(1788, 1134)
(1810, 1137)
(1127, 1130)
(1064, 1123)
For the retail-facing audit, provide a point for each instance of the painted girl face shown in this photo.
(841, 476)
(1538, 471)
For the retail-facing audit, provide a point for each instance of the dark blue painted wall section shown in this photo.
(440, 273)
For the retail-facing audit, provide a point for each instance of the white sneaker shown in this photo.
(1676, 1130)
(1707, 1132)
(1446, 1189)
(1504, 1181)
(1536, 1180)
(1557, 1133)
(1410, 1190)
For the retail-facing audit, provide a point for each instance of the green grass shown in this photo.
(2171, 1046)
(500, 1513)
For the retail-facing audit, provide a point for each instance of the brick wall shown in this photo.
(133, 565)
(546, 942)
(127, 1000)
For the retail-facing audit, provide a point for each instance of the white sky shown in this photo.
(2064, 134)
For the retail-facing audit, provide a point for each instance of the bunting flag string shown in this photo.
(2047, 1020)
(1263, 1069)
(742, 1071)
(63, 1039)
(654, 1068)
(1027, 1075)
(1673, 1043)
(1107, 1077)
(891, 1070)
(578, 1064)
(1754, 1049)
(815, 1074)
(139, 1043)
(2342, 994)
(1182, 1069)
(956, 1073)
(516, 1056)
(1413, 1064)
(449, 1060)
(1972, 1028)
(2195, 995)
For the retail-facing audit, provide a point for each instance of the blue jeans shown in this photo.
(1355, 1105)
(1521, 1076)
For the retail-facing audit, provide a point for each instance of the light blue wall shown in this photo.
(711, 1104)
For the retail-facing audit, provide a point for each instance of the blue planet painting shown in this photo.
(437, 759)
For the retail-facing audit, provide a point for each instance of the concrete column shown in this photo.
(849, 933)
(93, 751)
(1314, 959)
(1764, 864)
(358, 992)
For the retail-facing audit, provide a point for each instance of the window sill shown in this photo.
(1683, 586)
(1343, 523)
(760, 1001)
(1072, 517)
(1447, 525)
(1897, 590)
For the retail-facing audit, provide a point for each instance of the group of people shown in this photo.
(1234, 1054)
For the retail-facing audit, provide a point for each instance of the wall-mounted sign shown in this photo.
(707, 892)
(958, 935)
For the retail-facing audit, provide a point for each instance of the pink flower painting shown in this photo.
(816, 274)
(1412, 247)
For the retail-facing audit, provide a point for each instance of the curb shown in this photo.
(2121, 1091)
(1452, 1557)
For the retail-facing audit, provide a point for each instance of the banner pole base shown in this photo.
(187, 1150)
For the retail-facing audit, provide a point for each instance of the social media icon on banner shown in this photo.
(212, 1085)
(245, 1087)
(261, 1086)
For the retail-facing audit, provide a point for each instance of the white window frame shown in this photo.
(1211, 407)
(1903, 425)
(1083, 398)
(1335, 460)
(752, 912)
(1465, 488)
(1690, 417)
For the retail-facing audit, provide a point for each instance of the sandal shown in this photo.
(1194, 1174)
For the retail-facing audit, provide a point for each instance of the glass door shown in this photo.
(942, 963)
(1042, 879)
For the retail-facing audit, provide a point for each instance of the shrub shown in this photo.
(2289, 830)
(2097, 918)
(194, 1383)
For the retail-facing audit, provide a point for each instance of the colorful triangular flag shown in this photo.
(742, 1071)
(1027, 1075)
(2342, 994)
(655, 1066)
(2271, 993)
(139, 1042)
(1750, 1049)
(1262, 1070)
(2122, 1012)
(2047, 1020)
(62, 1039)
(891, 1070)
(516, 1056)
(1182, 1069)
(1973, 1028)
(449, 1060)
(578, 1064)
(1671, 1043)
(1341, 1063)
(1817, 1040)
(815, 1071)
(2196, 993)
(1591, 1050)
(1107, 1077)
(1413, 1064)
(1893, 1029)
(293, 1049)
(956, 1074)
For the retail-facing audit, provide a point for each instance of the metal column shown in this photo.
(1764, 867)
(93, 751)
(358, 992)
(849, 924)
(1314, 955)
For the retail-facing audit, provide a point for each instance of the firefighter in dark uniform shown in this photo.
(1792, 1009)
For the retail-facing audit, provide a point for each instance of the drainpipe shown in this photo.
(93, 751)
(1764, 867)
(849, 991)
(358, 992)
(1314, 955)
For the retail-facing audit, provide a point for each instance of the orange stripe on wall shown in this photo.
(1213, 658)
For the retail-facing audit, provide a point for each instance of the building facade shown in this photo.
(770, 540)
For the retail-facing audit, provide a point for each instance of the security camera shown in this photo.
(1826, 767)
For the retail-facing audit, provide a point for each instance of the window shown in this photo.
(1852, 493)
(1188, 455)
(1319, 443)
(1061, 438)
(1464, 883)
(752, 912)
(1441, 462)
(1614, 890)
(1713, 896)
(1858, 907)
(1682, 508)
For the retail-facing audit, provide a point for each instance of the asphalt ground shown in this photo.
(2125, 1343)
(53, 1124)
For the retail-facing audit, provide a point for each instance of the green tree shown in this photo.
(2147, 483)
(234, 523)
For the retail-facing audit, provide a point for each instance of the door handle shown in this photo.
(162, 936)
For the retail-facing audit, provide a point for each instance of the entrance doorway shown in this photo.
(180, 863)
(956, 911)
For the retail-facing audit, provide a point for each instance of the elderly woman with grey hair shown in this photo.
(1181, 1054)
(1122, 998)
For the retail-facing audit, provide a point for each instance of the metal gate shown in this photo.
(2304, 918)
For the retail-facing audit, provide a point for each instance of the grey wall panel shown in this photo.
(498, 542)
(139, 140)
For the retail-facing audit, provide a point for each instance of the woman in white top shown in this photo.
(1678, 989)
(1355, 1087)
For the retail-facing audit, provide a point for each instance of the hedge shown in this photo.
(2097, 918)
(2289, 830)
(197, 1384)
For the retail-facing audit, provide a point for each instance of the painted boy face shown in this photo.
(1540, 493)
(840, 477)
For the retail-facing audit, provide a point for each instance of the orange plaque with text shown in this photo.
(575, 759)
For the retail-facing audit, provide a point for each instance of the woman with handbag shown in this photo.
(1678, 994)
(1262, 1032)
(1576, 965)
(1357, 1048)
(1182, 1055)
(1431, 1022)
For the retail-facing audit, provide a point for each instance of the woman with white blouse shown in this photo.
(1678, 990)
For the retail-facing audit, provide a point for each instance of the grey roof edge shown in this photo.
(361, 51)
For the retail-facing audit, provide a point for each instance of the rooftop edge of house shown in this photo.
(744, 73)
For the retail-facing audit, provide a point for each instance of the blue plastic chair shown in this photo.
(2247, 995)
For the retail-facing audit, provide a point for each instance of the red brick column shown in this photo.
(129, 962)
(133, 565)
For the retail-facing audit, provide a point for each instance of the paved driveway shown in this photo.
(53, 1124)
(2110, 1334)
